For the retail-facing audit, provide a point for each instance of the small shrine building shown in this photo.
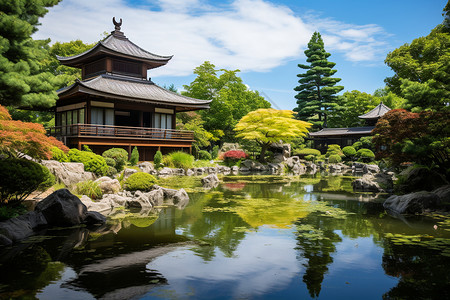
(348, 136)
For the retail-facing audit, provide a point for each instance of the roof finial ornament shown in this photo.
(117, 24)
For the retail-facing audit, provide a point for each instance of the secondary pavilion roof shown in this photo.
(376, 113)
(118, 45)
(332, 132)
(133, 90)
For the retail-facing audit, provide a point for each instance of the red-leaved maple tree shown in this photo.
(19, 138)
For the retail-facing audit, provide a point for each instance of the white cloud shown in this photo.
(250, 35)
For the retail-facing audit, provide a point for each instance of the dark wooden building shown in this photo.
(348, 136)
(115, 105)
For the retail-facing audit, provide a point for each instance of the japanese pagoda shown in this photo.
(115, 105)
(348, 136)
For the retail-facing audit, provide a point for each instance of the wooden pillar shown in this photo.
(88, 112)
(79, 145)
(129, 151)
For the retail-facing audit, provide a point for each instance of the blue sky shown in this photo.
(265, 39)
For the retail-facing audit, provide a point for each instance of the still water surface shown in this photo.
(249, 238)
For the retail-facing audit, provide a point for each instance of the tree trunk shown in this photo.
(264, 148)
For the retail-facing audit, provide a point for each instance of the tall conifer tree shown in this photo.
(317, 91)
(22, 80)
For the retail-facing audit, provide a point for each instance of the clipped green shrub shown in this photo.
(110, 162)
(179, 159)
(140, 182)
(59, 155)
(334, 159)
(334, 149)
(134, 156)
(119, 155)
(309, 157)
(20, 177)
(302, 153)
(92, 162)
(204, 155)
(157, 159)
(111, 171)
(365, 154)
(89, 188)
(215, 152)
(349, 151)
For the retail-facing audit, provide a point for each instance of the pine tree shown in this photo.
(317, 91)
(22, 81)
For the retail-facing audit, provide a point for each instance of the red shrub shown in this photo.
(234, 155)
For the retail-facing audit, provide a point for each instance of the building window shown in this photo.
(163, 121)
(102, 116)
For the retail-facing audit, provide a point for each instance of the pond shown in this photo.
(252, 237)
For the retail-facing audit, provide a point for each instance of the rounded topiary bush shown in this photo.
(334, 159)
(140, 182)
(92, 162)
(349, 151)
(365, 154)
(119, 155)
(306, 152)
(110, 162)
(204, 155)
(334, 149)
(180, 159)
(309, 157)
(20, 177)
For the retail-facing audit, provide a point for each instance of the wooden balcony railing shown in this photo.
(94, 130)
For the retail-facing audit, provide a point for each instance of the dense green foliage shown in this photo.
(364, 142)
(231, 99)
(307, 151)
(193, 121)
(349, 151)
(157, 159)
(215, 152)
(178, 159)
(89, 188)
(92, 162)
(334, 149)
(422, 70)
(204, 155)
(22, 78)
(119, 155)
(317, 91)
(59, 155)
(355, 103)
(134, 156)
(8, 211)
(365, 154)
(140, 182)
(334, 159)
(267, 126)
(20, 177)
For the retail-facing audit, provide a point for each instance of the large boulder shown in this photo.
(412, 203)
(146, 167)
(104, 206)
(210, 181)
(68, 173)
(291, 161)
(108, 185)
(16, 229)
(420, 179)
(444, 194)
(62, 209)
(165, 171)
(366, 184)
(128, 172)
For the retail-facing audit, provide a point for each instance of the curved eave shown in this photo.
(100, 49)
(79, 87)
(334, 132)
